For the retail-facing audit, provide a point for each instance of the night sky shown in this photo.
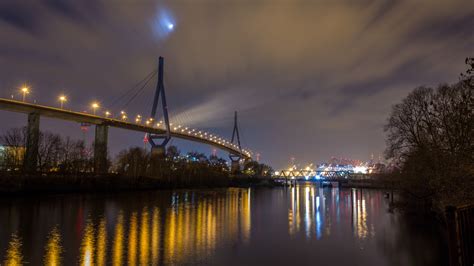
(310, 79)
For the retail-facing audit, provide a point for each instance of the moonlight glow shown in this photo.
(163, 24)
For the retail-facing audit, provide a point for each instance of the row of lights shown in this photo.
(62, 100)
(123, 116)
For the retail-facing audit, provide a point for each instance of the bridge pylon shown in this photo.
(235, 158)
(158, 149)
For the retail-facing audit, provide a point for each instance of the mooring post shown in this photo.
(453, 236)
(100, 149)
(391, 193)
(32, 138)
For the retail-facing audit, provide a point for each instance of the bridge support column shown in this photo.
(234, 167)
(234, 163)
(157, 157)
(158, 152)
(32, 138)
(100, 149)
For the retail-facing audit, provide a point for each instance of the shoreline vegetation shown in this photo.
(430, 146)
(66, 165)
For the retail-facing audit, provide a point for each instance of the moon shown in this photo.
(163, 24)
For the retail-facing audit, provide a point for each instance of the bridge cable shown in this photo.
(139, 91)
(134, 87)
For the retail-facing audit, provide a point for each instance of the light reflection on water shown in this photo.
(13, 255)
(118, 240)
(53, 249)
(203, 226)
(316, 210)
(87, 245)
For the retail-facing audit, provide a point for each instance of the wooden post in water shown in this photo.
(391, 200)
(352, 209)
(453, 244)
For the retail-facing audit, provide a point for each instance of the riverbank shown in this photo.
(26, 184)
(375, 184)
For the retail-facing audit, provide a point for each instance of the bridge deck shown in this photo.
(57, 113)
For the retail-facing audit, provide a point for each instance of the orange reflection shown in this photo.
(155, 237)
(361, 219)
(132, 240)
(184, 230)
(199, 229)
(118, 241)
(53, 249)
(144, 238)
(87, 245)
(13, 256)
(244, 213)
(102, 243)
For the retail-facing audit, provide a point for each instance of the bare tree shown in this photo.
(49, 151)
(54, 153)
(133, 162)
(73, 158)
(431, 138)
(14, 141)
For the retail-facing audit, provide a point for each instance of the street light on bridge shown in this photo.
(62, 100)
(25, 90)
(138, 119)
(95, 106)
(124, 115)
(107, 114)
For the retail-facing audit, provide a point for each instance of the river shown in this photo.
(303, 225)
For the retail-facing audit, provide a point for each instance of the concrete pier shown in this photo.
(234, 167)
(30, 162)
(100, 149)
(158, 152)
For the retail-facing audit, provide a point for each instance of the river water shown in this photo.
(303, 225)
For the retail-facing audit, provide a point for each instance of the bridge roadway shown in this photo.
(57, 113)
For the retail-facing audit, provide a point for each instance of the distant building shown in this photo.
(11, 157)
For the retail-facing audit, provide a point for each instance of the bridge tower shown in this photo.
(235, 158)
(158, 149)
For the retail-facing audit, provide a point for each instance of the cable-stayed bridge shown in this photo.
(158, 131)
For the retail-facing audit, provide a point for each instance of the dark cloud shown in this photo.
(19, 16)
(86, 12)
(311, 79)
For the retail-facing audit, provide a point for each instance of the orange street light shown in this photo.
(62, 99)
(95, 106)
(25, 90)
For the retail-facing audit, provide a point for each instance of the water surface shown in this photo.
(304, 225)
